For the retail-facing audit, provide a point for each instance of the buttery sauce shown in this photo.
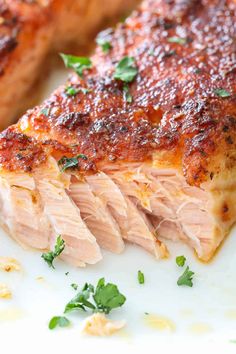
(200, 328)
(159, 323)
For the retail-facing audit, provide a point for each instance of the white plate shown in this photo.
(202, 315)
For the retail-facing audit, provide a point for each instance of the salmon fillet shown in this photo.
(29, 30)
(159, 166)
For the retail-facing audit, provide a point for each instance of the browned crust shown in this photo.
(175, 109)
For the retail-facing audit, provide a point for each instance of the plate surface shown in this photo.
(201, 316)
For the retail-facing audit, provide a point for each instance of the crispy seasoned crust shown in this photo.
(177, 115)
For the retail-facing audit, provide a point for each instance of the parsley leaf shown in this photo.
(104, 38)
(125, 70)
(58, 249)
(71, 91)
(74, 286)
(127, 95)
(78, 64)
(180, 261)
(107, 296)
(222, 93)
(60, 321)
(141, 278)
(80, 301)
(186, 278)
(104, 44)
(70, 162)
(177, 40)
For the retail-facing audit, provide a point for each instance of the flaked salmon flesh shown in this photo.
(162, 167)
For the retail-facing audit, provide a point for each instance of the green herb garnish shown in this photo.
(186, 278)
(141, 278)
(126, 70)
(78, 64)
(104, 44)
(70, 162)
(127, 95)
(180, 261)
(177, 40)
(71, 91)
(105, 298)
(58, 249)
(74, 286)
(59, 321)
(222, 93)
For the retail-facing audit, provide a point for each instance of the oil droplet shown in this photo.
(200, 328)
(231, 314)
(11, 314)
(160, 323)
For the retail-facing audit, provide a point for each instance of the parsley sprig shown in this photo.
(141, 278)
(222, 93)
(78, 64)
(180, 261)
(126, 71)
(104, 38)
(70, 162)
(186, 278)
(60, 321)
(58, 249)
(103, 298)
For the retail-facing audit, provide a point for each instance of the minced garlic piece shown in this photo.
(99, 325)
(5, 292)
(9, 264)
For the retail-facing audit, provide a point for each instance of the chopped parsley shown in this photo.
(71, 91)
(222, 93)
(59, 321)
(180, 261)
(103, 298)
(141, 278)
(58, 249)
(70, 162)
(107, 296)
(78, 64)
(127, 95)
(104, 39)
(186, 278)
(74, 286)
(126, 70)
(178, 40)
(104, 44)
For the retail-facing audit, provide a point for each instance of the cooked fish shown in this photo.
(29, 30)
(159, 165)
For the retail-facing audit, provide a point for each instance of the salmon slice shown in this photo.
(149, 135)
(64, 216)
(22, 212)
(30, 30)
(96, 216)
(133, 223)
